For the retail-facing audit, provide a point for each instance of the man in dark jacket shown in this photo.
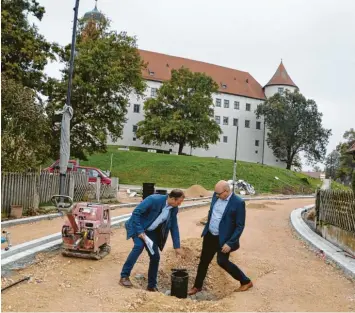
(225, 224)
(152, 218)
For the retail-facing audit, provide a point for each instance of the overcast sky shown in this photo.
(314, 38)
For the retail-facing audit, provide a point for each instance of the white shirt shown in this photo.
(163, 216)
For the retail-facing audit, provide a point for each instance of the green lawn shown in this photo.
(133, 167)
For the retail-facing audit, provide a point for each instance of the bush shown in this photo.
(353, 182)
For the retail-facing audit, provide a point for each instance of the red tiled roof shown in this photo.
(236, 82)
(281, 77)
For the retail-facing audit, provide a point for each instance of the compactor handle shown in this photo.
(62, 203)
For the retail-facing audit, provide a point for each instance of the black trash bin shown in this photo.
(148, 189)
(161, 191)
(179, 283)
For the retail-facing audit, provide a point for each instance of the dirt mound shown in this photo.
(271, 203)
(202, 222)
(259, 206)
(217, 284)
(197, 191)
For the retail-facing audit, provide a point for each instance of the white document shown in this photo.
(149, 244)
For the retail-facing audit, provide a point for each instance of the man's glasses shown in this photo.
(218, 194)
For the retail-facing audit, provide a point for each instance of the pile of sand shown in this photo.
(259, 206)
(197, 191)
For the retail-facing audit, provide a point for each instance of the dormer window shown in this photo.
(224, 86)
(151, 73)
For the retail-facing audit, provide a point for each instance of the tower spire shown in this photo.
(281, 77)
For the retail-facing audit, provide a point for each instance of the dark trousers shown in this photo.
(209, 248)
(138, 247)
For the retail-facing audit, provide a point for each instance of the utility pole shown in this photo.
(235, 159)
(262, 158)
(67, 112)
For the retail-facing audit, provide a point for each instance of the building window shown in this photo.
(256, 151)
(258, 125)
(256, 143)
(217, 119)
(218, 102)
(225, 120)
(280, 90)
(247, 107)
(225, 139)
(135, 127)
(236, 105)
(226, 104)
(235, 122)
(134, 138)
(136, 108)
(247, 124)
(153, 92)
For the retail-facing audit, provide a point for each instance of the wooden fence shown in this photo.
(336, 207)
(31, 189)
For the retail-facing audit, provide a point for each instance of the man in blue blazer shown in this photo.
(225, 225)
(153, 218)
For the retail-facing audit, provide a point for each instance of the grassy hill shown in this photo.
(133, 167)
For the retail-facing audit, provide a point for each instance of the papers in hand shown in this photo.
(149, 244)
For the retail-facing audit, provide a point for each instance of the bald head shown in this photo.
(222, 189)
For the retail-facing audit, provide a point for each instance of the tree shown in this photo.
(294, 125)
(24, 52)
(107, 69)
(317, 168)
(346, 161)
(332, 164)
(182, 113)
(25, 129)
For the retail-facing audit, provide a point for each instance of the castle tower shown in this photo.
(279, 82)
(94, 14)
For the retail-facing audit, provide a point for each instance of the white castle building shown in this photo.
(234, 104)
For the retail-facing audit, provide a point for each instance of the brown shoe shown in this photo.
(245, 287)
(155, 289)
(125, 282)
(193, 291)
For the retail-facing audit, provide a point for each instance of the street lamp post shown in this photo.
(262, 158)
(67, 112)
(235, 159)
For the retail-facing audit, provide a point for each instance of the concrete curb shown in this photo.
(24, 254)
(319, 243)
(38, 218)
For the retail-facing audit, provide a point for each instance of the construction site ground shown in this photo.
(287, 275)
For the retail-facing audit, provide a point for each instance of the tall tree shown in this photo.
(182, 113)
(294, 125)
(346, 161)
(332, 164)
(107, 69)
(25, 129)
(317, 168)
(24, 52)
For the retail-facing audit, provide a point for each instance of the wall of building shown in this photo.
(250, 139)
(271, 90)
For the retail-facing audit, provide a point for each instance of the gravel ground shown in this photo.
(287, 276)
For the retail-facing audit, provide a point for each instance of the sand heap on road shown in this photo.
(196, 191)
